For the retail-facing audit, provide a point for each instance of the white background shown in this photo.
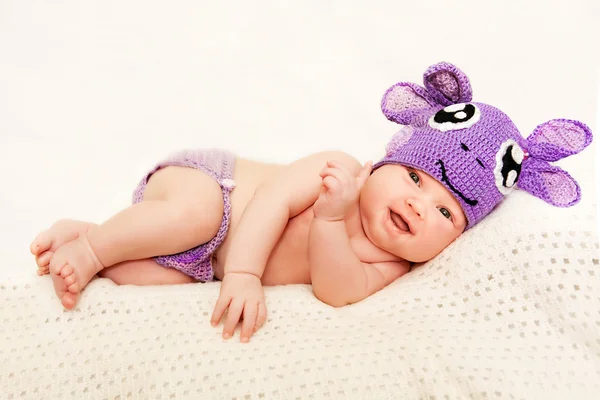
(93, 93)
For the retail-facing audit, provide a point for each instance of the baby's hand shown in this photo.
(243, 294)
(340, 190)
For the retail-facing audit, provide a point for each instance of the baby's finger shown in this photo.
(262, 314)
(219, 310)
(331, 183)
(364, 173)
(250, 313)
(335, 173)
(331, 171)
(233, 317)
(338, 165)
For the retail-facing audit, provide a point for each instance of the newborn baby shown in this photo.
(347, 229)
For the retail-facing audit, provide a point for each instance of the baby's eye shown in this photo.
(445, 212)
(414, 177)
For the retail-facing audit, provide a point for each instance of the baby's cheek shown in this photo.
(442, 232)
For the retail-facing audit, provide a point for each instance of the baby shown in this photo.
(348, 229)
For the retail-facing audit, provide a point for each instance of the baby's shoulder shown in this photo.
(321, 158)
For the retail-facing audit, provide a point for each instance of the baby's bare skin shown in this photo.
(74, 262)
(137, 272)
(324, 219)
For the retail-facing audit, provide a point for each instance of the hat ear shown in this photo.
(403, 101)
(558, 138)
(447, 84)
(550, 183)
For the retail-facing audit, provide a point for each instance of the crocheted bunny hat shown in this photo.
(474, 149)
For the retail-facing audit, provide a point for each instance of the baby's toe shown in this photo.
(56, 265)
(74, 287)
(66, 271)
(43, 259)
(70, 280)
(41, 243)
(68, 300)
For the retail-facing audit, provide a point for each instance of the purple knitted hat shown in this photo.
(474, 149)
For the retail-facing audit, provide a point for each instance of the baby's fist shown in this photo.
(340, 189)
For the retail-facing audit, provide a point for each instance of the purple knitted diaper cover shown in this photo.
(218, 164)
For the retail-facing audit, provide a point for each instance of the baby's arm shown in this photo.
(291, 191)
(281, 198)
(338, 276)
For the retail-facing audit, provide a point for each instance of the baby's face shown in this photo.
(408, 213)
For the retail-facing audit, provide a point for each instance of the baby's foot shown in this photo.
(46, 243)
(72, 266)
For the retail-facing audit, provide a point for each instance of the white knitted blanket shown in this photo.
(509, 311)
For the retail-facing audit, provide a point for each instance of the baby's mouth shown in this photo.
(399, 222)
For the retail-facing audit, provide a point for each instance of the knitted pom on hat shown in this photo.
(474, 149)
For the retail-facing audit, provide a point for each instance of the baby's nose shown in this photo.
(416, 206)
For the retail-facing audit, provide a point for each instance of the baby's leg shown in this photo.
(135, 272)
(182, 209)
(144, 272)
(46, 243)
